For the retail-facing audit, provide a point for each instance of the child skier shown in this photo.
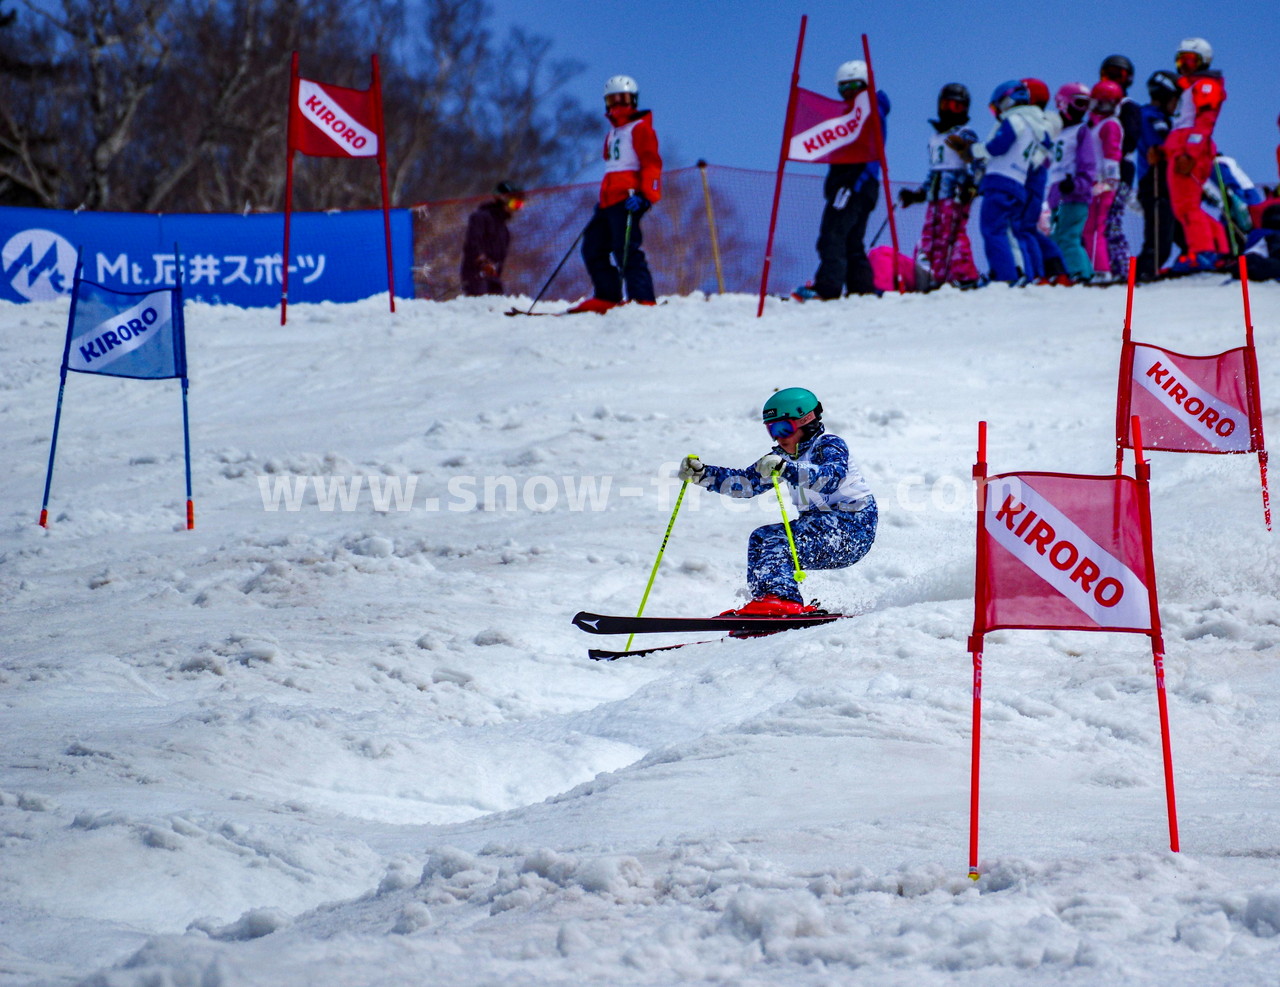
(949, 190)
(1159, 229)
(632, 183)
(837, 520)
(1189, 151)
(1109, 135)
(1042, 260)
(1007, 155)
(1072, 174)
(1119, 69)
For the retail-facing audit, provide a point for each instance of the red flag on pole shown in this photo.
(328, 121)
(831, 131)
(820, 130)
(334, 122)
(1207, 404)
(1065, 551)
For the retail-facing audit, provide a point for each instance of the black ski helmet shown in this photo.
(1162, 85)
(1119, 69)
(955, 90)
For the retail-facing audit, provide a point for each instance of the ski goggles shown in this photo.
(956, 106)
(514, 205)
(783, 428)
(1118, 75)
(851, 88)
(1080, 102)
(619, 99)
(1187, 61)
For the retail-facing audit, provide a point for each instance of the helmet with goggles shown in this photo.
(621, 90)
(1193, 55)
(1106, 96)
(1008, 94)
(1072, 96)
(791, 410)
(851, 78)
(1118, 69)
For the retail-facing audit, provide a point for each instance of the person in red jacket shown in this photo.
(632, 184)
(1190, 151)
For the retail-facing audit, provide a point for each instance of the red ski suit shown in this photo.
(1189, 149)
(632, 162)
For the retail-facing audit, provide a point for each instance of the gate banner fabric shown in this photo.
(126, 334)
(333, 122)
(1064, 551)
(1189, 403)
(831, 131)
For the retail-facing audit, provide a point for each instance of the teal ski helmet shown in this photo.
(791, 402)
(792, 408)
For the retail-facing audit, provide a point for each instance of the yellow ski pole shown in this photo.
(662, 548)
(799, 573)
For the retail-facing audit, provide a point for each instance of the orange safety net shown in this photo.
(677, 235)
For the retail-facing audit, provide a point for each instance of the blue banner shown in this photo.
(125, 334)
(227, 259)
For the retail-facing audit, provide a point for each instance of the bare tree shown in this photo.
(181, 104)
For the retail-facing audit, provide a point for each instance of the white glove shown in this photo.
(768, 464)
(691, 469)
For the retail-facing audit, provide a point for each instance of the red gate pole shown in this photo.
(382, 170)
(1142, 471)
(884, 163)
(1257, 440)
(288, 189)
(782, 163)
(975, 645)
(1126, 368)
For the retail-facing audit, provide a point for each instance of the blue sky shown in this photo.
(715, 73)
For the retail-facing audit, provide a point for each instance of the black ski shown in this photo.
(520, 311)
(595, 623)
(602, 654)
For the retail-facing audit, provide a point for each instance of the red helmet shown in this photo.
(1038, 91)
(1106, 91)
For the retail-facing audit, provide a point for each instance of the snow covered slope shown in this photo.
(365, 746)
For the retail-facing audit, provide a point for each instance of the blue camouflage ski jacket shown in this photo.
(820, 475)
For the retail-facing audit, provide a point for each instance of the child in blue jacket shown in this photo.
(837, 520)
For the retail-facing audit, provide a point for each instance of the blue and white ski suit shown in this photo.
(1012, 150)
(837, 520)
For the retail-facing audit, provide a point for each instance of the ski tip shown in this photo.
(596, 654)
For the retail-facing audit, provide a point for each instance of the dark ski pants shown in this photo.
(824, 540)
(1159, 229)
(606, 245)
(842, 255)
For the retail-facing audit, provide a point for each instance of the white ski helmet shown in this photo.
(855, 71)
(621, 84)
(1197, 46)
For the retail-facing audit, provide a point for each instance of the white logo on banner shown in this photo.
(121, 334)
(39, 264)
(1220, 424)
(339, 125)
(830, 135)
(1054, 547)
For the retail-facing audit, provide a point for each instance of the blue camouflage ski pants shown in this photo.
(824, 540)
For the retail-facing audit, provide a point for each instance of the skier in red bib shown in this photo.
(611, 243)
(1189, 150)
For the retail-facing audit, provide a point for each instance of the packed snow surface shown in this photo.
(365, 746)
